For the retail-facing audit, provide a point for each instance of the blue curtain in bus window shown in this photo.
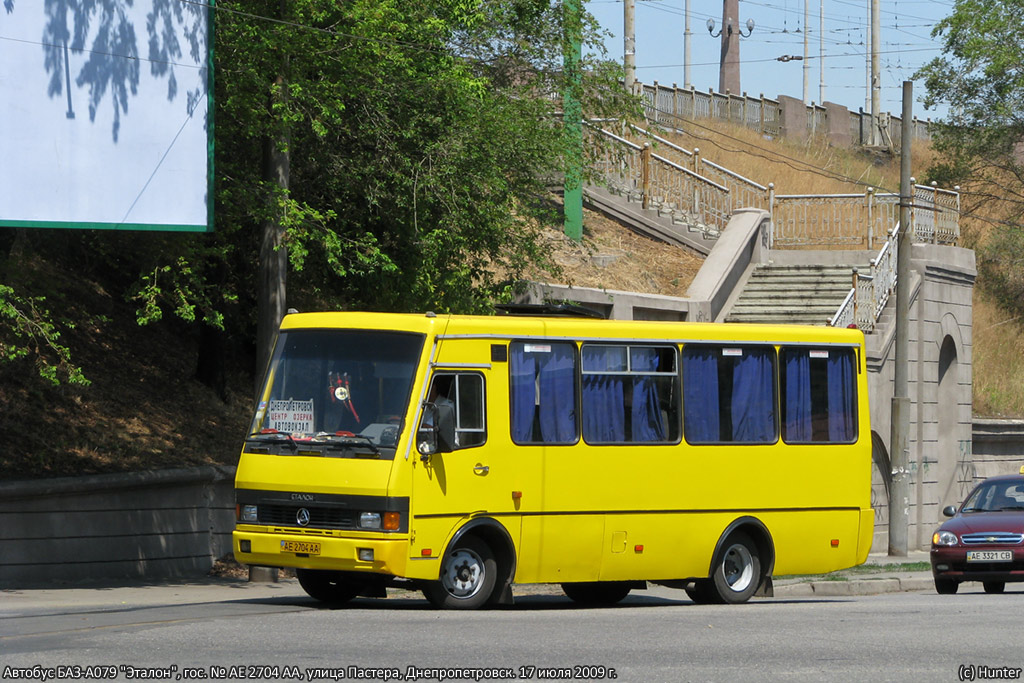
(798, 397)
(700, 395)
(646, 419)
(753, 419)
(604, 410)
(524, 373)
(842, 409)
(557, 394)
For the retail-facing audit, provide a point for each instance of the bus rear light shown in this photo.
(392, 521)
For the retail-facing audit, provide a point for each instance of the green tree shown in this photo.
(980, 75)
(405, 147)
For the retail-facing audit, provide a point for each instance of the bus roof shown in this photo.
(514, 326)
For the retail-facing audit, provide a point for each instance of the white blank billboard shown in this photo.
(105, 112)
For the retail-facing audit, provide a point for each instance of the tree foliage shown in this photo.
(980, 75)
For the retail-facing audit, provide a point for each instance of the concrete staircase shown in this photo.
(792, 294)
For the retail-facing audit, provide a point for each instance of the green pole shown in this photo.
(573, 108)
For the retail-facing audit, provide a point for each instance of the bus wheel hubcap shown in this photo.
(464, 574)
(738, 567)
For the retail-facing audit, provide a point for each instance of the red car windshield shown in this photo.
(995, 496)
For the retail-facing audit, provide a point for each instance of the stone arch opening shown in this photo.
(947, 419)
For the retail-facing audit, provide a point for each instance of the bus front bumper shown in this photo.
(260, 547)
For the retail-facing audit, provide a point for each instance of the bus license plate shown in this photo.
(300, 547)
(990, 556)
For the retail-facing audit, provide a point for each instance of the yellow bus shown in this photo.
(460, 455)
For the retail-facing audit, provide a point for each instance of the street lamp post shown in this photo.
(729, 69)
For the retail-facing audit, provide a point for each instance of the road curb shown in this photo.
(857, 587)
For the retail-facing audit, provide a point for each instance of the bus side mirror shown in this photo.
(437, 430)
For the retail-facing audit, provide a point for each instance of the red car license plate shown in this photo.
(990, 556)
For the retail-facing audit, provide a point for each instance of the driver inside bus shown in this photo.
(440, 387)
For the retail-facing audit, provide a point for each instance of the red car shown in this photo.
(984, 540)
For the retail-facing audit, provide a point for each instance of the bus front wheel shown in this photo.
(468, 575)
(327, 586)
(737, 570)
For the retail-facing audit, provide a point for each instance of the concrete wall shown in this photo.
(998, 448)
(940, 388)
(161, 524)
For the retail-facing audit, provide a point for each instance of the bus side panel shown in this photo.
(565, 548)
(658, 547)
(814, 541)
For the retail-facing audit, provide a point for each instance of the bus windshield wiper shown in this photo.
(339, 441)
(276, 437)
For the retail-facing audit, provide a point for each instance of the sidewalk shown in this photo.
(879, 574)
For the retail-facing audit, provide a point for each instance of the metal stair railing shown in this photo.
(864, 303)
(638, 174)
(743, 191)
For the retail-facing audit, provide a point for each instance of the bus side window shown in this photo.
(542, 387)
(464, 392)
(628, 394)
(819, 395)
(729, 394)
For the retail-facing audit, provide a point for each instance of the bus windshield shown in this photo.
(326, 384)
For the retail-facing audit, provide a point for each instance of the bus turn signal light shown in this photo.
(392, 520)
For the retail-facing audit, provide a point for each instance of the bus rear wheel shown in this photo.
(468, 576)
(327, 586)
(737, 570)
(596, 592)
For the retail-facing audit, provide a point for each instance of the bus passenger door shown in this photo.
(476, 477)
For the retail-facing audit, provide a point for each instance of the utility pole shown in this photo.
(572, 105)
(807, 64)
(821, 51)
(629, 40)
(686, 46)
(899, 429)
(876, 76)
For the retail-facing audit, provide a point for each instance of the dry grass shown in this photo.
(614, 257)
(998, 362)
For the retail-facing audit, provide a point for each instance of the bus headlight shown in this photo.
(943, 537)
(369, 520)
(249, 513)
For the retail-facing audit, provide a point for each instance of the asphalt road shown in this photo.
(238, 631)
